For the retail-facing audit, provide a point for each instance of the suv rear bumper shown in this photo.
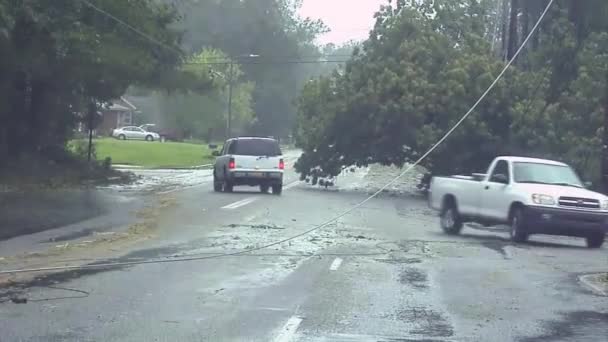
(248, 177)
(555, 221)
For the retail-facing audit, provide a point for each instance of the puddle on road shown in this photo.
(575, 326)
(427, 322)
(414, 277)
(498, 247)
(74, 235)
(400, 261)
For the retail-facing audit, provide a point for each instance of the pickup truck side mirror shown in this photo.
(215, 153)
(500, 178)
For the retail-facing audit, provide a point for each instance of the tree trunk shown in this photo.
(15, 133)
(526, 14)
(36, 108)
(504, 28)
(513, 36)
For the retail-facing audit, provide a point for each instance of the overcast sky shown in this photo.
(348, 19)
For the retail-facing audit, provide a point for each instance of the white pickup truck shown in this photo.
(532, 196)
(249, 161)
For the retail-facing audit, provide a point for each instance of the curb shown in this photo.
(141, 168)
(586, 280)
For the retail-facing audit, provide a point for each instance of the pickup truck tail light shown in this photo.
(282, 164)
(231, 164)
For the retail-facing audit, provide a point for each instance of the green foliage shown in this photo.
(197, 114)
(80, 148)
(269, 29)
(106, 164)
(425, 65)
(59, 56)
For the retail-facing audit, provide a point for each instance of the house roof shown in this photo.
(120, 105)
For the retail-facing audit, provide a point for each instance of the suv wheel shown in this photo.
(277, 189)
(517, 230)
(217, 185)
(451, 222)
(595, 240)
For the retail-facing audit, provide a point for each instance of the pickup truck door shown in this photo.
(469, 200)
(495, 197)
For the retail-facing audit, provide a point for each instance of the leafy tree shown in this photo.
(269, 29)
(427, 62)
(204, 115)
(399, 95)
(59, 56)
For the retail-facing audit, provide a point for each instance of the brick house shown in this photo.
(118, 114)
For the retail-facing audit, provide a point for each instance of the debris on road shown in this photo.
(597, 283)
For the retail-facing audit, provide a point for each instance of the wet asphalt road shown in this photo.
(383, 273)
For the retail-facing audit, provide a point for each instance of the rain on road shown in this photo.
(383, 273)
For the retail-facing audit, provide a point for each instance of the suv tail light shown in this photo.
(281, 164)
(231, 164)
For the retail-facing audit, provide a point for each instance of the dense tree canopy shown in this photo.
(427, 62)
(60, 56)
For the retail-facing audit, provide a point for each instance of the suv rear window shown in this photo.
(255, 147)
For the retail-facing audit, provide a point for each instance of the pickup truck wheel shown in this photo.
(451, 222)
(228, 186)
(595, 241)
(277, 189)
(518, 226)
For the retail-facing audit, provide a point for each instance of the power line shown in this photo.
(269, 62)
(329, 221)
(280, 57)
(157, 42)
(225, 61)
(130, 27)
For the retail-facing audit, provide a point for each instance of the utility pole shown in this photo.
(604, 156)
(230, 81)
(92, 112)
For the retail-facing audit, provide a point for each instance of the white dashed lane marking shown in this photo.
(288, 332)
(335, 265)
(240, 203)
(291, 185)
(250, 200)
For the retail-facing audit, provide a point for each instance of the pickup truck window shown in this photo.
(501, 168)
(545, 174)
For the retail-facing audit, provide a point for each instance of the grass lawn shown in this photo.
(153, 154)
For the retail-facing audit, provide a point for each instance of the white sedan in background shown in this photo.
(134, 133)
